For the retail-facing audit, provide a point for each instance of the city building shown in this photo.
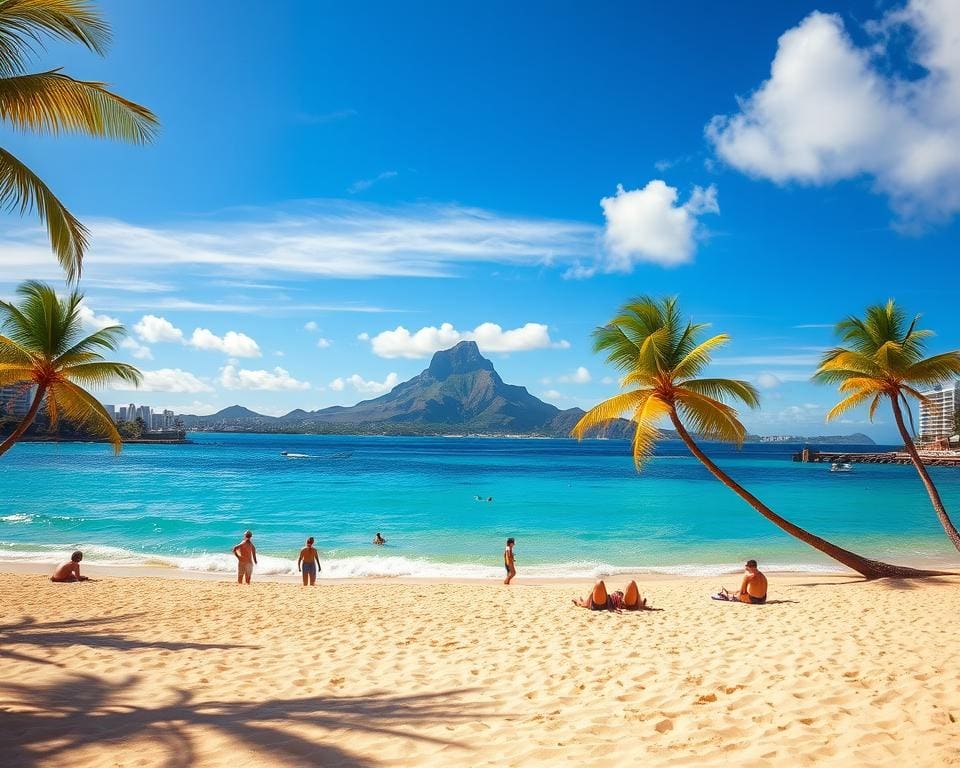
(111, 411)
(938, 413)
(15, 399)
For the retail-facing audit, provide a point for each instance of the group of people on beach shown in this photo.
(753, 586)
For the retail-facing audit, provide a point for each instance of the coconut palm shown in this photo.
(53, 102)
(884, 359)
(662, 357)
(44, 347)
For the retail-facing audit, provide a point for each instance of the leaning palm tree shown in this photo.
(44, 347)
(53, 102)
(884, 360)
(661, 358)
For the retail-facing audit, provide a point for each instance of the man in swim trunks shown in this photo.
(508, 561)
(246, 557)
(70, 571)
(309, 563)
(753, 588)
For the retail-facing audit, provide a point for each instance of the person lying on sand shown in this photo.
(753, 588)
(309, 563)
(599, 599)
(70, 571)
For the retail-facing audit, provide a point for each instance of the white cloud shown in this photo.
(552, 394)
(310, 325)
(490, 337)
(278, 379)
(579, 376)
(154, 330)
(323, 343)
(768, 381)
(326, 238)
(91, 321)
(361, 185)
(608, 380)
(366, 387)
(770, 360)
(647, 225)
(231, 343)
(167, 380)
(137, 350)
(832, 110)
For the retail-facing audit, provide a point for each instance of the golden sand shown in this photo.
(168, 672)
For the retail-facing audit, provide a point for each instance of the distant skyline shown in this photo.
(339, 191)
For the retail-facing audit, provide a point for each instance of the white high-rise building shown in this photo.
(168, 419)
(938, 413)
(145, 412)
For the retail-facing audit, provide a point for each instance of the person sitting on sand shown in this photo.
(246, 555)
(378, 539)
(309, 563)
(599, 599)
(70, 571)
(753, 588)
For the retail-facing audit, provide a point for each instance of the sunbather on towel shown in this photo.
(599, 599)
(753, 588)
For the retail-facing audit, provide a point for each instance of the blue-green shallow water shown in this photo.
(575, 509)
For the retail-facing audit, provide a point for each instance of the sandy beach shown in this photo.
(174, 672)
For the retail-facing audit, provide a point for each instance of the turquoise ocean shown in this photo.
(575, 509)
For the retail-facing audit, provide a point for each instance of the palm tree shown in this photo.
(884, 359)
(44, 347)
(53, 102)
(661, 358)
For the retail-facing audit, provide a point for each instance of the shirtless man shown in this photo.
(246, 557)
(309, 563)
(753, 588)
(508, 562)
(70, 571)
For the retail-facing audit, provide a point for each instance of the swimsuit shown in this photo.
(757, 600)
(310, 568)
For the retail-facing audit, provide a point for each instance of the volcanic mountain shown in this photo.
(460, 392)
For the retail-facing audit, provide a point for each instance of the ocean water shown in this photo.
(576, 509)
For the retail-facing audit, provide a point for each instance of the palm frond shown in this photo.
(81, 408)
(710, 418)
(699, 357)
(108, 337)
(21, 189)
(11, 352)
(645, 437)
(52, 102)
(101, 374)
(11, 373)
(933, 370)
(851, 401)
(23, 23)
(724, 389)
(610, 409)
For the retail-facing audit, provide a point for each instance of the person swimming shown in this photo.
(378, 539)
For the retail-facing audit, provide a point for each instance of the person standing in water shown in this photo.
(309, 563)
(246, 555)
(508, 560)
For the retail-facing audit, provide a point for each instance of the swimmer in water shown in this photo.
(378, 539)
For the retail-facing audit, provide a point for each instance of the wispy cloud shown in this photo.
(815, 325)
(323, 118)
(362, 185)
(769, 360)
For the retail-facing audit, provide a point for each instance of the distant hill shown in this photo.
(460, 393)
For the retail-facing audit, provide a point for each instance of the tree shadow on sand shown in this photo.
(80, 710)
(94, 633)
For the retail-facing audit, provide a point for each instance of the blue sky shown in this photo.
(334, 183)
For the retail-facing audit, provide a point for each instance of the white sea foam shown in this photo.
(389, 566)
(16, 519)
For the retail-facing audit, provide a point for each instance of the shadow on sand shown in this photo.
(39, 722)
(80, 710)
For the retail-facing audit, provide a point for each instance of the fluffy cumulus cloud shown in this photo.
(650, 225)
(136, 349)
(579, 376)
(91, 321)
(232, 377)
(167, 380)
(834, 110)
(310, 325)
(323, 343)
(232, 344)
(490, 337)
(154, 330)
(357, 382)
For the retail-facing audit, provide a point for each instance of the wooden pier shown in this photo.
(933, 459)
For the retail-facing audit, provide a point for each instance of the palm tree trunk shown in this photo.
(870, 569)
(7, 444)
(932, 492)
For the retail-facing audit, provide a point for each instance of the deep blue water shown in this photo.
(574, 508)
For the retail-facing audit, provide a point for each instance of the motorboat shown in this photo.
(841, 466)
